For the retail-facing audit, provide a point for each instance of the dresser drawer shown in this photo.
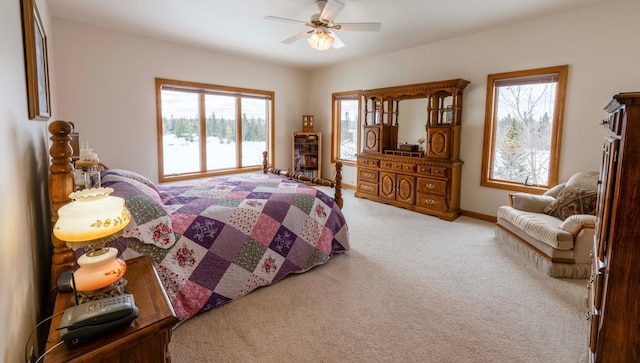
(368, 188)
(437, 171)
(432, 186)
(404, 167)
(431, 201)
(368, 162)
(440, 171)
(398, 166)
(368, 175)
(386, 164)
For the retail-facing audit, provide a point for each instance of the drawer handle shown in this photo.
(430, 201)
(431, 186)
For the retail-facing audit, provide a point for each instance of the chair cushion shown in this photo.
(584, 179)
(530, 202)
(571, 201)
(540, 226)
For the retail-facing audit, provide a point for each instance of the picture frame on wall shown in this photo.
(36, 62)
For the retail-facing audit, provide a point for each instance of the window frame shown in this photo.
(201, 89)
(556, 132)
(336, 124)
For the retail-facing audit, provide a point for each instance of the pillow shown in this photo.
(107, 179)
(571, 201)
(530, 202)
(150, 222)
(131, 175)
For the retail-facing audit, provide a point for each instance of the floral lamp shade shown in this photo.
(90, 220)
(92, 215)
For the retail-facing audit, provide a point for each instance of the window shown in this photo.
(346, 112)
(206, 130)
(523, 126)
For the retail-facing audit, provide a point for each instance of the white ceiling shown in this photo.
(238, 27)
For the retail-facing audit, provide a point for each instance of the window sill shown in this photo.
(532, 189)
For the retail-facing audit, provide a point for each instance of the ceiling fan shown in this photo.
(322, 32)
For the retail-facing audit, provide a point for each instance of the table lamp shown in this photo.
(90, 220)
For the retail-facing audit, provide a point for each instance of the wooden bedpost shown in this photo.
(335, 184)
(265, 162)
(338, 188)
(61, 184)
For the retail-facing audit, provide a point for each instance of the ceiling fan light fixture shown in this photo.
(320, 40)
(323, 34)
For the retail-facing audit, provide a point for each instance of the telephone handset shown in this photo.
(83, 322)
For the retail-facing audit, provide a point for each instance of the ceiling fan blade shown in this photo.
(337, 42)
(365, 27)
(331, 10)
(297, 36)
(285, 20)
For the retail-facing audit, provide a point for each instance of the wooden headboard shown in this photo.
(61, 184)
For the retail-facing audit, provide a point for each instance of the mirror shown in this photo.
(412, 117)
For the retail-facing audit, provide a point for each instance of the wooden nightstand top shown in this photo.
(155, 317)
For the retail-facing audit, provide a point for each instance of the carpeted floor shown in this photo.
(412, 289)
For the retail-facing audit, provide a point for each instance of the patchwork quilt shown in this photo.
(215, 240)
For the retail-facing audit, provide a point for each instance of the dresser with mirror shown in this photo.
(410, 154)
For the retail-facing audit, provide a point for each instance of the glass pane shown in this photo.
(180, 132)
(445, 109)
(255, 114)
(348, 129)
(524, 126)
(221, 131)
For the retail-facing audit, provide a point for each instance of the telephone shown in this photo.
(83, 322)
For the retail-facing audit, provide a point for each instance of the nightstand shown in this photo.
(146, 339)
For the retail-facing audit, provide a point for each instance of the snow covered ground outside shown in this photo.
(182, 156)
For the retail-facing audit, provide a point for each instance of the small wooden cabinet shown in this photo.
(398, 187)
(307, 123)
(307, 154)
(614, 295)
(146, 339)
(426, 181)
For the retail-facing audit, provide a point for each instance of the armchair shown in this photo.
(553, 231)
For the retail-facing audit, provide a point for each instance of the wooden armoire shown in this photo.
(614, 299)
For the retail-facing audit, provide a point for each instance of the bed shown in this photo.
(217, 239)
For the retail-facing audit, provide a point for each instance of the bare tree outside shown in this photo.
(523, 129)
(523, 132)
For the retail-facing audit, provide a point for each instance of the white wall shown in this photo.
(599, 44)
(107, 87)
(24, 206)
